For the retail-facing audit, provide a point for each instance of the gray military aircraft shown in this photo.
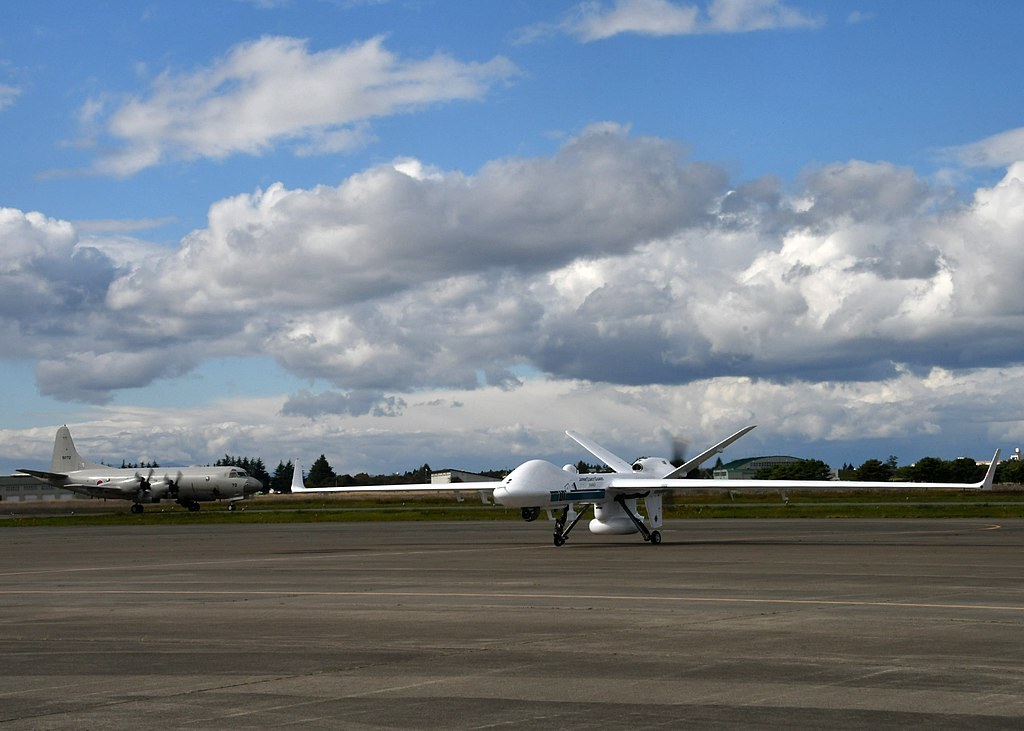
(187, 486)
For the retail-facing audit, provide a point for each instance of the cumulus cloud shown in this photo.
(593, 21)
(49, 282)
(392, 227)
(276, 91)
(352, 403)
(494, 428)
(614, 260)
(93, 376)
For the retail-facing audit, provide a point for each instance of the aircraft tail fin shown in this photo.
(297, 484)
(65, 457)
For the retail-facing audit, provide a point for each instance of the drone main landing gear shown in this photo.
(650, 536)
(561, 531)
(137, 508)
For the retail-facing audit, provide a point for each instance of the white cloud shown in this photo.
(275, 91)
(93, 376)
(592, 21)
(495, 428)
(857, 17)
(119, 225)
(7, 95)
(613, 260)
(48, 282)
(999, 150)
(394, 227)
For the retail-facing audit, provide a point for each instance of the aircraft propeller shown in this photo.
(145, 483)
(679, 449)
(166, 487)
(172, 486)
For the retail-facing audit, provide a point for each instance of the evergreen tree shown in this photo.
(321, 474)
(252, 467)
(930, 469)
(282, 479)
(1010, 471)
(875, 470)
(965, 469)
(420, 475)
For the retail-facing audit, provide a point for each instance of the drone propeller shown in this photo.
(679, 448)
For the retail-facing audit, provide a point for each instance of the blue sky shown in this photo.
(397, 232)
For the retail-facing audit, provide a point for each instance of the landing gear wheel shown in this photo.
(561, 529)
(231, 506)
(193, 507)
(655, 537)
(137, 508)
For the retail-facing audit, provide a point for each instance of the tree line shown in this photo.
(926, 469)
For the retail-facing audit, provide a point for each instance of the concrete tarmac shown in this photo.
(727, 624)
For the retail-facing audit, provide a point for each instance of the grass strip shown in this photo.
(344, 509)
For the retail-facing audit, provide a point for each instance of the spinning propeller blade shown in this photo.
(679, 448)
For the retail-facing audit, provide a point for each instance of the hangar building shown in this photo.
(745, 469)
(20, 488)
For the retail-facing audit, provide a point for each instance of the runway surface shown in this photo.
(802, 624)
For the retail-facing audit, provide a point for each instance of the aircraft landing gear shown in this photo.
(650, 536)
(561, 530)
(137, 508)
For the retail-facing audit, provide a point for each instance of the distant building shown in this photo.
(745, 469)
(446, 477)
(21, 488)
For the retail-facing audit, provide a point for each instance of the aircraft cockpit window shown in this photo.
(237, 473)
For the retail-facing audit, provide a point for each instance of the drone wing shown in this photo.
(634, 484)
(697, 461)
(616, 463)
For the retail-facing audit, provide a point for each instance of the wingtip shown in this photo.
(990, 473)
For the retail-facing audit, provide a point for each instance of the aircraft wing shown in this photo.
(45, 476)
(636, 484)
(109, 490)
(616, 463)
(703, 456)
(415, 487)
(125, 488)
